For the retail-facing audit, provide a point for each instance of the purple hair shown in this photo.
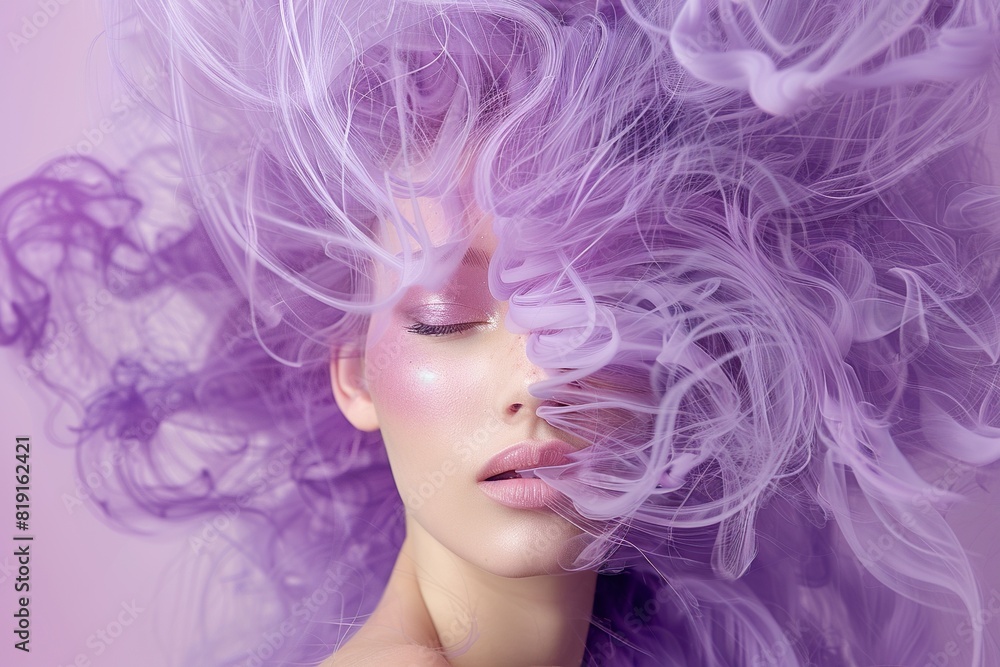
(753, 244)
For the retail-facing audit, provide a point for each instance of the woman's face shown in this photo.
(448, 388)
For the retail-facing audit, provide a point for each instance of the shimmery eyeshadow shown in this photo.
(464, 298)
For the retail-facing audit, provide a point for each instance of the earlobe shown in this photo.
(347, 372)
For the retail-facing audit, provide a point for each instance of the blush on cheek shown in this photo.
(409, 378)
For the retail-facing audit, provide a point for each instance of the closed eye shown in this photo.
(439, 329)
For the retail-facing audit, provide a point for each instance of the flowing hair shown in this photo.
(754, 244)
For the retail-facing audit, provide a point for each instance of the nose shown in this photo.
(517, 373)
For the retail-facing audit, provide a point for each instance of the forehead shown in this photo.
(440, 221)
(430, 237)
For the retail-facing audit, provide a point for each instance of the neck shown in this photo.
(539, 620)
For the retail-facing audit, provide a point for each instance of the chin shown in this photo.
(526, 548)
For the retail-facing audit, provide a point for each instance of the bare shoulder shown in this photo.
(372, 653)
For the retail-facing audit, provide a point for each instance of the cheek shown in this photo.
(425, 399)
(418, 381)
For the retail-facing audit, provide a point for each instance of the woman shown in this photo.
(473, 540)
(544, 333)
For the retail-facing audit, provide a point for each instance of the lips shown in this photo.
(510, 474)
(524, 455)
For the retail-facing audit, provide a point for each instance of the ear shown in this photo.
(347, 375)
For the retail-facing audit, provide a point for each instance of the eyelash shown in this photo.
(439, 329)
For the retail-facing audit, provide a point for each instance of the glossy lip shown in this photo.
(525, 493)
(527, 454)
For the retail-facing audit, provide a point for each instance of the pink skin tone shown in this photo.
(445, 405)
(446, 400)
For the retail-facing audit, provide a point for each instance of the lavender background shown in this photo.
(57, 93)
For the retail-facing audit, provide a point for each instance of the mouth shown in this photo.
(500, 480)
(524, 456)
(509, 474)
